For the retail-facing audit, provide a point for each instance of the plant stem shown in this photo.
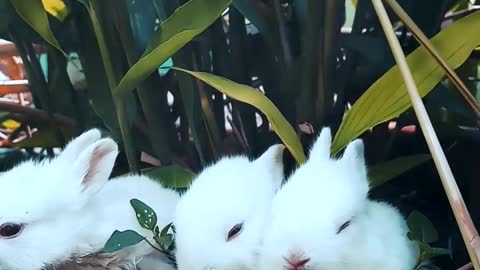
(425, 42)
(282, 30)
(37, 114)
(462, 216)
(117, 101)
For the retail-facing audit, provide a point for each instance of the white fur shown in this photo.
(321, 196)
(69, 209)
(229, 192)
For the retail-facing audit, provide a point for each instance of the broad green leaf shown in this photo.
(172, 176)
(255, 98)
(33, 13)
(385, 171)
(187, 22)
(146, 216)
(122, 239)
(56, 8)
(387, 97)
(421, 228)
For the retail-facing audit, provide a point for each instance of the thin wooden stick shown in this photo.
(425, 42)
(467, 266)
(462, 216)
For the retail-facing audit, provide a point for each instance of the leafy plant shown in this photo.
(147, 218)
(423, 232)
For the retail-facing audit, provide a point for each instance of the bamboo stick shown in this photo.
(462, 216)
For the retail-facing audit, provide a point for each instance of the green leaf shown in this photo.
(385, 171)
(34, 14)
(421, 228)
(165, 242)
(255, 98)
(187, 22)
(122, 239)
(164, 239)
(387, 97)
(146, 216)
(171, 176)
(165, 230)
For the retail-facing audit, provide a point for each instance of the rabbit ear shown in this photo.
(354, 155)
(321, 147)
(95, 164)
(73, 149)
(273, 159)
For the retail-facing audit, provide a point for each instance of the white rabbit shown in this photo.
(219, 221)
(59, 213)
(323, 219)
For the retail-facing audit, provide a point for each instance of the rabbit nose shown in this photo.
(296, 263)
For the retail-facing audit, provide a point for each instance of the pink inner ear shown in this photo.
(94, 164)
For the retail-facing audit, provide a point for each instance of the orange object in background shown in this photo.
(11, 69)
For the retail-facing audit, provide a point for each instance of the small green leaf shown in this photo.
(165, 230)
(165, 242)
(122, 239)
(383, 172)
(172, 176)
(254, 97)
(147, 218)
(187, 22)
(421, 228)
(387, 97)
(164, 239)
(34, 14)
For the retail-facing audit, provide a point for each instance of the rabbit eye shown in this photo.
(10, 230)
(235, 231)
(343, 227)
